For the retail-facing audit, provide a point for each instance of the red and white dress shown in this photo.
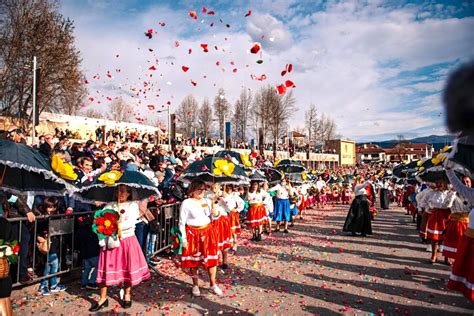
(439, 204)
(201, 236)
(234, 205)
(455, 227)
(257, 213)
(125, 264)
(422, 199)
(223, 226)
(462, 274)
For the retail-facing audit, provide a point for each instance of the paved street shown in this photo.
(316, 269)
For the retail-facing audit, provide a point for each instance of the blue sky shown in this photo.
(377, 67)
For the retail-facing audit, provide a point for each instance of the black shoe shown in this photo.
(92, 287)
(224, 266)
(127, 304)
(96, 307)
(286, 231)
(277, 230)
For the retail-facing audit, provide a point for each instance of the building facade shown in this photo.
(345, 149)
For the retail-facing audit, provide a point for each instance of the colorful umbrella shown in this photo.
(215, 170)
(104, 187)
(236, 157)
(290, 166)
(272, 175)
(464, 152)
(24, 169)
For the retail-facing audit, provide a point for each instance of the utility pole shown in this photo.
(33, 133)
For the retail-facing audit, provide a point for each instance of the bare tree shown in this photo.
(311, 121)
(205, 118)
(240, 117)
(186, 114)
(120, 111)
(93, 114)
(327, 128)
(221, 110)
(35, 28)
(260, 111)
(281, 109)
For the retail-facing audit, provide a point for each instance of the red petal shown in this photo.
(204, 47)
(176, 44)
(204, 10)
(248, 13)
(234, 70)
(211, 13)
(255, 48)
(151, 107)
(281, 89)
(85, 81)
(150, 31)
(185, 68)
(290, 68)
(289, 84)
(190, 51)
(194, 83)
(162, 23)
(283, 73)
(212, 24)
(193, 14)
(150, 49)
(152, 68)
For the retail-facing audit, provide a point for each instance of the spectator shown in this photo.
(46, 148)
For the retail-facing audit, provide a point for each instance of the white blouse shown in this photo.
(460, 205)
(128, 219)
(282, 192)
(194, 213)
(441, 199)
(255, 198)
(234, 202)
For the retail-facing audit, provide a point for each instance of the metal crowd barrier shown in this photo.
(65, 227)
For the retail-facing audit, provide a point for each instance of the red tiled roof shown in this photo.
(298, 134)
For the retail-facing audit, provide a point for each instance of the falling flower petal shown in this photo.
(190, 51)
(194, 83)
(184, 68)
(162, 23)
(248, 13)
(234, 70)
(152, 68)
(204, 48)
(151, 107)
(289, 84)
(290, 68)
(255, 48)
(176, 43)
(211, 13)
(281, 89)
(149, 33)
(204, 9)
(283, 73)
(259, 61)
(193, 14)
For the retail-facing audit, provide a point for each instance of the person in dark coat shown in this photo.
(6, 234)
(384, 196)
(358, 219)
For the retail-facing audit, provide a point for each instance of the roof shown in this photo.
(361, 150)
(297, 134)
(414, 146)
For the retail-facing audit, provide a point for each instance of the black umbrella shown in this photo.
(104, 188)
(257, 176)
(215, 170)
(433, 169)
(464, 152)
(406, 170)
(272, 175)
(229, 154)
(295, 178)
(290, 166)
(24, 169)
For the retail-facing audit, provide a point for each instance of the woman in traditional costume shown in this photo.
(124, 264)
(200, 238)
(358, 219)
(256, 215)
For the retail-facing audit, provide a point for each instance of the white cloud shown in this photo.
(340, 58)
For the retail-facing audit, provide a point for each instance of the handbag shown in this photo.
(43, 244)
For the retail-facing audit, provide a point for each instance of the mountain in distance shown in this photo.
(438, 141)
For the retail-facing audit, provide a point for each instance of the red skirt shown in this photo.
(462, 275)
(452, 235)
(411, 208)
(224, 232)
(303, 204)
(437, 223)
(257, 215)
(202, 248)
(424, 223)
(234, 219)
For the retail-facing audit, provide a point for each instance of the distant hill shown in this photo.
(436, 140)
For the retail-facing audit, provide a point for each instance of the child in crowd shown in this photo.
(90, 249)
(49, 246)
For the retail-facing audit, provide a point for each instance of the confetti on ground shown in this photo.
(314, 270)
